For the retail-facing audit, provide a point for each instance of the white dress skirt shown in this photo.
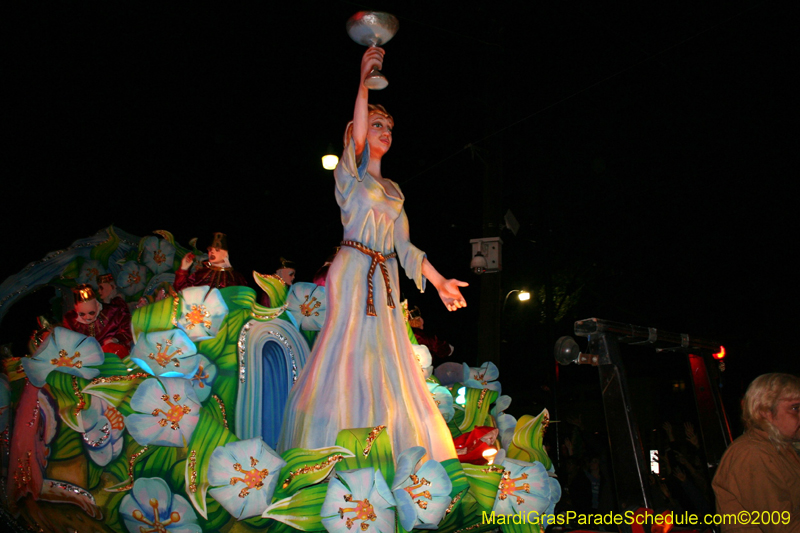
(362, 371)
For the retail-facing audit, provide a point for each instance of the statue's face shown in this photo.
(107, 291)
(87, 311)
(217, 256)
(286, 274)
(379, 134)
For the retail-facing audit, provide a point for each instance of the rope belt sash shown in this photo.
(377, 259)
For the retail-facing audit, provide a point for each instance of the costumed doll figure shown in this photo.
(109, 324)
(285, 271)
(107, 291)
(362, 371)
(217, 272)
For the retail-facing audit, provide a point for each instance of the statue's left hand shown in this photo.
(451, 295)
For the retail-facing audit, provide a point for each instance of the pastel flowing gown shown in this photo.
(362, 371)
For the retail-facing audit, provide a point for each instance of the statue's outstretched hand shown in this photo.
(372, 59)
(451, 295)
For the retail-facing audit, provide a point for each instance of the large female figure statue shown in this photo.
(362, 372)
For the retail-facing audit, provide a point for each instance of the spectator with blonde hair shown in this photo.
(760, 471)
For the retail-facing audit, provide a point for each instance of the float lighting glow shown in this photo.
(461, 399)
(720, 354)
(489, 455)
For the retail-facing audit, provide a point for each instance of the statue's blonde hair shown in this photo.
(374, 109)
(762, 396)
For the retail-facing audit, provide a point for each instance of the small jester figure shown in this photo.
(217, 272)
(110, 324)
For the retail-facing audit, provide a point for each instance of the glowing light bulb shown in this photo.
(489, 454)
(461, 399)
(329, 162)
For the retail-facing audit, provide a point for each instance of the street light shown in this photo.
(523, 296)
(330, 160)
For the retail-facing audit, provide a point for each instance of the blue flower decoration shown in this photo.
(524, 488)
(424, 358)
(151, 506)
(89, 271)
(157, 254)
(131, 279)
(169, 354)
(245, 474)
(422, 497)
(505, 423)
(443, 398)
(172, 412)
(555, 496)
(306, 303)
(64, 351)
(358, 498)
(482, 377)
(103, 428)
(202, 312)
(203, 378)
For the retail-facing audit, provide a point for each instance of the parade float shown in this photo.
(179, 434)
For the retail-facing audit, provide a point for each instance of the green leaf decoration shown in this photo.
(61, 387)
(225, 388)
(66, 445)
(208, 435)
(155, 463)
(476, 410)
(457, 476)
(454, 517)
(103, 251)
(217, 516)
(310, 337)
(464, 512)
(118, 468)
(410, 332)
(166, 235)
(115, 383)
(72, 270)
(275, 288)
(112, 521)
(458, 419)
(260, 524)
(484, 481)
(307, 467)
(94, 474)
(222, 350)
(526, 445)
(213, 408)
(301, 510)
(154, 317)
(370, 447)
(177, 476)
(238, 297)
(113, 365)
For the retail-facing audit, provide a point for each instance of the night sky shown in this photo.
(646, 151)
